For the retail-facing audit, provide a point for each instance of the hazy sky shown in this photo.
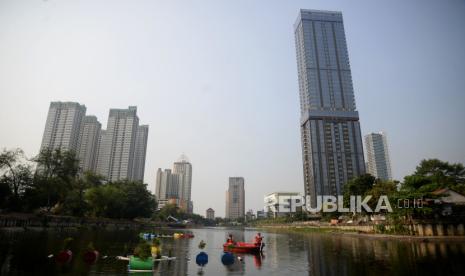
(217, 80)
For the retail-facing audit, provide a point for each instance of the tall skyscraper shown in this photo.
(379, 164)
(88, 143)
(159, 189)
(140, 152)
(184, 167)
(117, 145)
(235, 198)
(168, 188)
(210, 214)
(330, 131)
(63, 126)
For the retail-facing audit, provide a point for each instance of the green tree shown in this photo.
(359, 185)
(138, 201)
(382, 188)
(75, 203)
(16, 174)
(105, 201)
(122, 199)
(168, 210)
(56, 171)
(93, 179)
(434, 173)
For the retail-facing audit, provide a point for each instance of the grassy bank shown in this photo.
(332, 230)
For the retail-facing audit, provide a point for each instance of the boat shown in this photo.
(139, 265)
(183, 235)
(242, 247)
(148, 236)
(176, 223)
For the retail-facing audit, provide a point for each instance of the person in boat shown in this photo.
(258, 239)
(156, 248)
(230, 239)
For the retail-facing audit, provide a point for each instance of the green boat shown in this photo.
(136, 264)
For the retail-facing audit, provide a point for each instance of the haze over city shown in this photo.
(218, 82)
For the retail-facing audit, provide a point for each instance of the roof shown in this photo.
(449, 196)
(283, 193)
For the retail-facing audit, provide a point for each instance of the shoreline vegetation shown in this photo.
(50, 190)
(354, 233)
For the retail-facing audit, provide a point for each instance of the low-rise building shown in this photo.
(273, 200)
(261, 214)
(249, 215)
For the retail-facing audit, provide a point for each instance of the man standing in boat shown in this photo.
(258, 241)
(230, 239)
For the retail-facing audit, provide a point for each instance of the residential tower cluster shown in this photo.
(117, 152)
(174, 186)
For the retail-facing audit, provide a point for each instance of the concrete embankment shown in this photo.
(50, 221)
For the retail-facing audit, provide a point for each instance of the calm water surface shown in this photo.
(25, 253)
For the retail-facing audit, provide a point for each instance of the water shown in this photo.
(25, 253)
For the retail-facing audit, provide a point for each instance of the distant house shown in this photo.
(261, 214)
(452, 202)
(449, 196)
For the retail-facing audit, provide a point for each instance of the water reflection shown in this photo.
(25, 253)
(339, 255)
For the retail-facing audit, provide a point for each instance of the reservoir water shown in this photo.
(28, 252)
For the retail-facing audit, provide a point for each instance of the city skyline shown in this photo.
(222, 87)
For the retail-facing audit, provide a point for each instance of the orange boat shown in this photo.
(242, 247)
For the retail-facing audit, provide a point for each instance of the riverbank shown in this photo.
(356, 231)
(33, 221)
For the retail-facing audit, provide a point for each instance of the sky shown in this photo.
(217, 81)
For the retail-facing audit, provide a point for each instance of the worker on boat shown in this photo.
(230, 239)
(156, 248)
(258, 239)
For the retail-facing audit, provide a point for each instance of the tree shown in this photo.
(168, 210)
(56, 171)
(138, 201)
(105, 201)
(122, 199)
(5, 193)
(75, 203)
(93, 179)
(435, 171)
(382, 188)
(359, 185)
(414, 181)
(16, 175)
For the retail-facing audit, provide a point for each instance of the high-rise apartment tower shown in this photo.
(330, 131)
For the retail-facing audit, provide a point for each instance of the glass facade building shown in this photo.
(379, 163)
(330, 130)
